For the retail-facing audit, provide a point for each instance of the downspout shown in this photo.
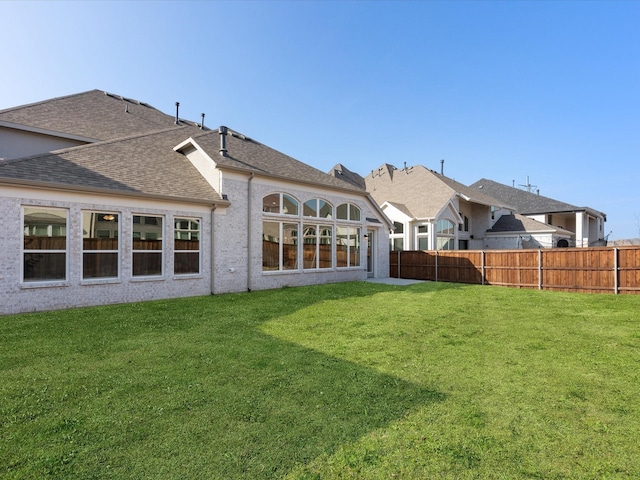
(249, 236)
(212, 267)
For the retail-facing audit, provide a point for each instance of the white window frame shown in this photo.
(118, 251)
(143, 236)
(189, 230)
(25, 251)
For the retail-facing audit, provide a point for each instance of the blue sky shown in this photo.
(501, 90)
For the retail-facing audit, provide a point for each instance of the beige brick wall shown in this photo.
(235, 272)
(17, 297)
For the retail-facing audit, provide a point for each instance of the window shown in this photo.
(348, 211)
(317, 208)
(44, 244)
(147, 246)
(445, 243)
(312, 241)
(279, 246)
(445, 230)
(100, 252)
(280, 203)
(186, 246)
(463, 244)
(445, 227)
(396, 238)
(422, 237)
(464, 226)
(347, 246)
(317, 246)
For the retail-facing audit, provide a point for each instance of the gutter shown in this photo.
(11, 182)
(249, 237)
(212, 269)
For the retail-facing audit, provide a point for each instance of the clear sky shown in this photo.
(501, 90)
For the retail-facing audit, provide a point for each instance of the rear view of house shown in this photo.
(105, 199)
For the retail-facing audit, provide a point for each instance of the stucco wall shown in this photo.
(16, 296)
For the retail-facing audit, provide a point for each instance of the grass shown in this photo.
(352, 380)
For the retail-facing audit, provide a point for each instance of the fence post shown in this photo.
(399, 263)
(615, 271)
(482, 263)
(436, 265)
(539, 269)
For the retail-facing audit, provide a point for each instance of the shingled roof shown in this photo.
(520, 223)
(525, 202)
(142, 165)
(343, 173)
(423, 192)
(248, 155)
(132, 150)
(95, 115)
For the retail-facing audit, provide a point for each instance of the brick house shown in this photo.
(105, 199)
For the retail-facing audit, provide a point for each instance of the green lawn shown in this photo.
(351, 380)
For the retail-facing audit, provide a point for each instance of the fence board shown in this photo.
(591, 270)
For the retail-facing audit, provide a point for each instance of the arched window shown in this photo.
(445, 227)
(316, 207)
(280, 203)
(348, 211)
(445, 230)
(280, 237)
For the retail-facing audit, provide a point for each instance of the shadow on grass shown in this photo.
(188, 389)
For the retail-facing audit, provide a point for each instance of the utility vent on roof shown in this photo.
(125, 99)
(240, 136)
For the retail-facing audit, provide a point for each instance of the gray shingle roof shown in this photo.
(249, 155)
(134, 150)
(525, 202)
(143, 164)
(93, 114)
(343, 173)
(520, 223)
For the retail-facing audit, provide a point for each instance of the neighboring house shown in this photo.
(107, 200)
(515, 231)
(431, 211)
(585, 224)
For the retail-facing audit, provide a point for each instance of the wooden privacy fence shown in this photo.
(592, 270)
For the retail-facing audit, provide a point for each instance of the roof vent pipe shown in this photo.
(177, 122)
(442, 167)
(202, 123)
(223, 140)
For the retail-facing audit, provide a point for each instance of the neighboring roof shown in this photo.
(401, 207)
(517, 223)
(142, 165)
(248, 155)
(528, 203)
(94, 115)
(343, 173)
(423, 192)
